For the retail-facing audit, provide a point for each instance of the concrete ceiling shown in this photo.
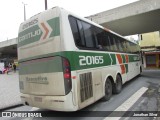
(8, 51)
(137, 24)
(135, 18)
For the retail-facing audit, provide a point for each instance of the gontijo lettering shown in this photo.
(30, 35)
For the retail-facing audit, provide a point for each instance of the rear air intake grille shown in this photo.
(86, 89)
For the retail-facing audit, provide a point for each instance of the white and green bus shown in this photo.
(67, 62)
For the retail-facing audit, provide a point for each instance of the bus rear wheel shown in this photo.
(118, 85)
(108, 90)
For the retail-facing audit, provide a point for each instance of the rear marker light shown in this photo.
(67, 75)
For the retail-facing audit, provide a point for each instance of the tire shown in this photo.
(118, 85)
(108, 90)
(0, 72)
(140, 71)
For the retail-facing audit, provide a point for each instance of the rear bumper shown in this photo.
(57, 103)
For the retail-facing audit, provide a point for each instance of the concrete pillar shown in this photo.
(157, 60)
(144, 60)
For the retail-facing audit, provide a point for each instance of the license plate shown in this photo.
(38, 99)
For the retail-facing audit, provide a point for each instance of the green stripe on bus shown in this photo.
(126, 66)
(123, 58)
(134, 58)
(55, 25)
(78, 61)
(113, 56)
(89, 60)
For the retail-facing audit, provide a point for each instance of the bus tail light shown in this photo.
(67, 75)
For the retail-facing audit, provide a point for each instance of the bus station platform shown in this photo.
(9, 90)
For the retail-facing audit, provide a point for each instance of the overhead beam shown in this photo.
(135, 18)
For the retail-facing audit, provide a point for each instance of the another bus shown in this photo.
(67, 62)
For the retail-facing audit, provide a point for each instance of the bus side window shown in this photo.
(122, 45)
(89, 35)
(81, 32)
(132, 47)
(113, 43)
(102, 39)
(99, 38)
(107, 42)
(75, 32)
(119, 46)
(129, 49)
(125, 46)
(135, 48)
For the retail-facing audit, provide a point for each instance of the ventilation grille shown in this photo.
(86, 89)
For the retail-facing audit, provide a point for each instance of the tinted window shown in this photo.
(134, 48)
(113, 43)
(89, 35)
(119, 45)
(107, 42)
(81, 32)
(122, 45)
(127, 45)
(75, 31)
(102, 38)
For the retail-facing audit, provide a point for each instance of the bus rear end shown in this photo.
(45, 74)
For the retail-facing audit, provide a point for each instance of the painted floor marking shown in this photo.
(34, 109)
(128, 103)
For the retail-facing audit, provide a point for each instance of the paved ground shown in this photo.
(10, 95)
(9, 90)
(149, 101)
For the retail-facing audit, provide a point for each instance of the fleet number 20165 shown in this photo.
(90, 60)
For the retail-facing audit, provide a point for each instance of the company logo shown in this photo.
(21, 114)
(30, 35)
(36, 30)
(6, 114)
(27, 25)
